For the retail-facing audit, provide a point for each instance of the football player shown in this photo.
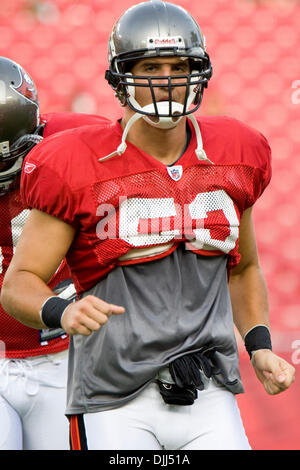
(154, 216)
(33, 362)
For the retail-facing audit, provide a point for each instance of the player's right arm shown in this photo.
(43, 244)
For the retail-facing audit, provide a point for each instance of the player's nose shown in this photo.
(164, 79)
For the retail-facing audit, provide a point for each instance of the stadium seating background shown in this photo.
(254, 48)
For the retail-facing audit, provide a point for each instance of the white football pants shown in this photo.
(32, 403)
(213, 422)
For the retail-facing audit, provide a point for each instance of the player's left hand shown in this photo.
(273, 372)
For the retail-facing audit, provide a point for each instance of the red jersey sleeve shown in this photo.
(256, 153)
(46, 182)
(263, 172)
(235, 144)
(46, 186)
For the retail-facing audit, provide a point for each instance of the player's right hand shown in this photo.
(87, 315)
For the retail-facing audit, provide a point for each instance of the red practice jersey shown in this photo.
(16, 339)
(132, 208)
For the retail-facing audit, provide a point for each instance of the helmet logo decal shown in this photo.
(165, 41)
(26, 87)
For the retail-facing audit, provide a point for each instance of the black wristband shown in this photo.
(257, 338)
(52, 311)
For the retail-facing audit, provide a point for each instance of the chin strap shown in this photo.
(123, 146)
(200, 152)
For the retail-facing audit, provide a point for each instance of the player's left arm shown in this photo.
(249, 298)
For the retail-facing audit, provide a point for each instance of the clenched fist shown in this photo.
(88, 315)
(274, 373)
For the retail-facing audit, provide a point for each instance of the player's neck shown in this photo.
(163, 145)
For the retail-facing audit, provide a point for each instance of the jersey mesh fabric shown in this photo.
(202, 209)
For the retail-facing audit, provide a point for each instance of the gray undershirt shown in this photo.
(174, 305)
